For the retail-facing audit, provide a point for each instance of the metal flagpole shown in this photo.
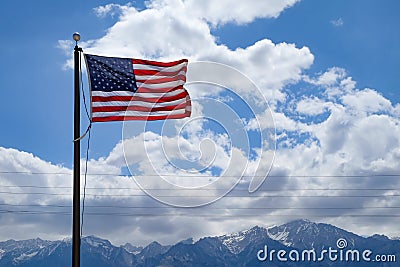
(76, 237)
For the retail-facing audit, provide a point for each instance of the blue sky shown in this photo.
(328, 69)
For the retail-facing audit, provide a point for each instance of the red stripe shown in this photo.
(138, 98)
(158, 64)
(111, 98)
(139, 72)
(140, 118)
(138, 108)
(163, 80)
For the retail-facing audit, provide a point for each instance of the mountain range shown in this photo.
(297, 243)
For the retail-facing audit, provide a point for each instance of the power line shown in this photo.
(202, 196)
(203, 189)
(208, 207)
(29, 212)
(194, 176)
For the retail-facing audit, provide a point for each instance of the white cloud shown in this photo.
(328, 78)
(28, 182)
(240, 12)
(349, 109)
(311, 106)
(270, 65)
(111, 9)
(337, 22)
(374, 138)
(12, 160)
(367, 100)
(168, 31)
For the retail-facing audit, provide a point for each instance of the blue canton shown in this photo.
(111, 74)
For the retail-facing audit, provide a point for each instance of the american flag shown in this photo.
(137, 89)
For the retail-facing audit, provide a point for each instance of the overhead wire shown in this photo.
(219, 215)
(253, 195)
(264, 190)
(203, 189)
(228, 176)
(208, 207)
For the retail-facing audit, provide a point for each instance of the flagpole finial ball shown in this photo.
(76, 36)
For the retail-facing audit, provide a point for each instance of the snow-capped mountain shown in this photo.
(303, 234)
(15, 252)
(132, 249)
(237, 242)
(235, 249)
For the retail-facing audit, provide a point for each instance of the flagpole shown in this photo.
(76, 236)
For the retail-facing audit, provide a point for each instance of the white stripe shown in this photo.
(113, 93)
(154, 81)
(160, 85)
(138, 113)
(137, 103)
(155, 76)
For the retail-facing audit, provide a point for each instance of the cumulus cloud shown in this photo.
(330, 77)
(367, 100)
(360, 131)
(28, 183)
(169, 30)
(312, 106)
(239, 12)
(337, 22)
(111, 9)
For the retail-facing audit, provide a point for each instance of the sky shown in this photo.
(302, 92)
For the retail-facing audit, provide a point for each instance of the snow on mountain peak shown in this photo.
(237, 242)
(280, 236)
